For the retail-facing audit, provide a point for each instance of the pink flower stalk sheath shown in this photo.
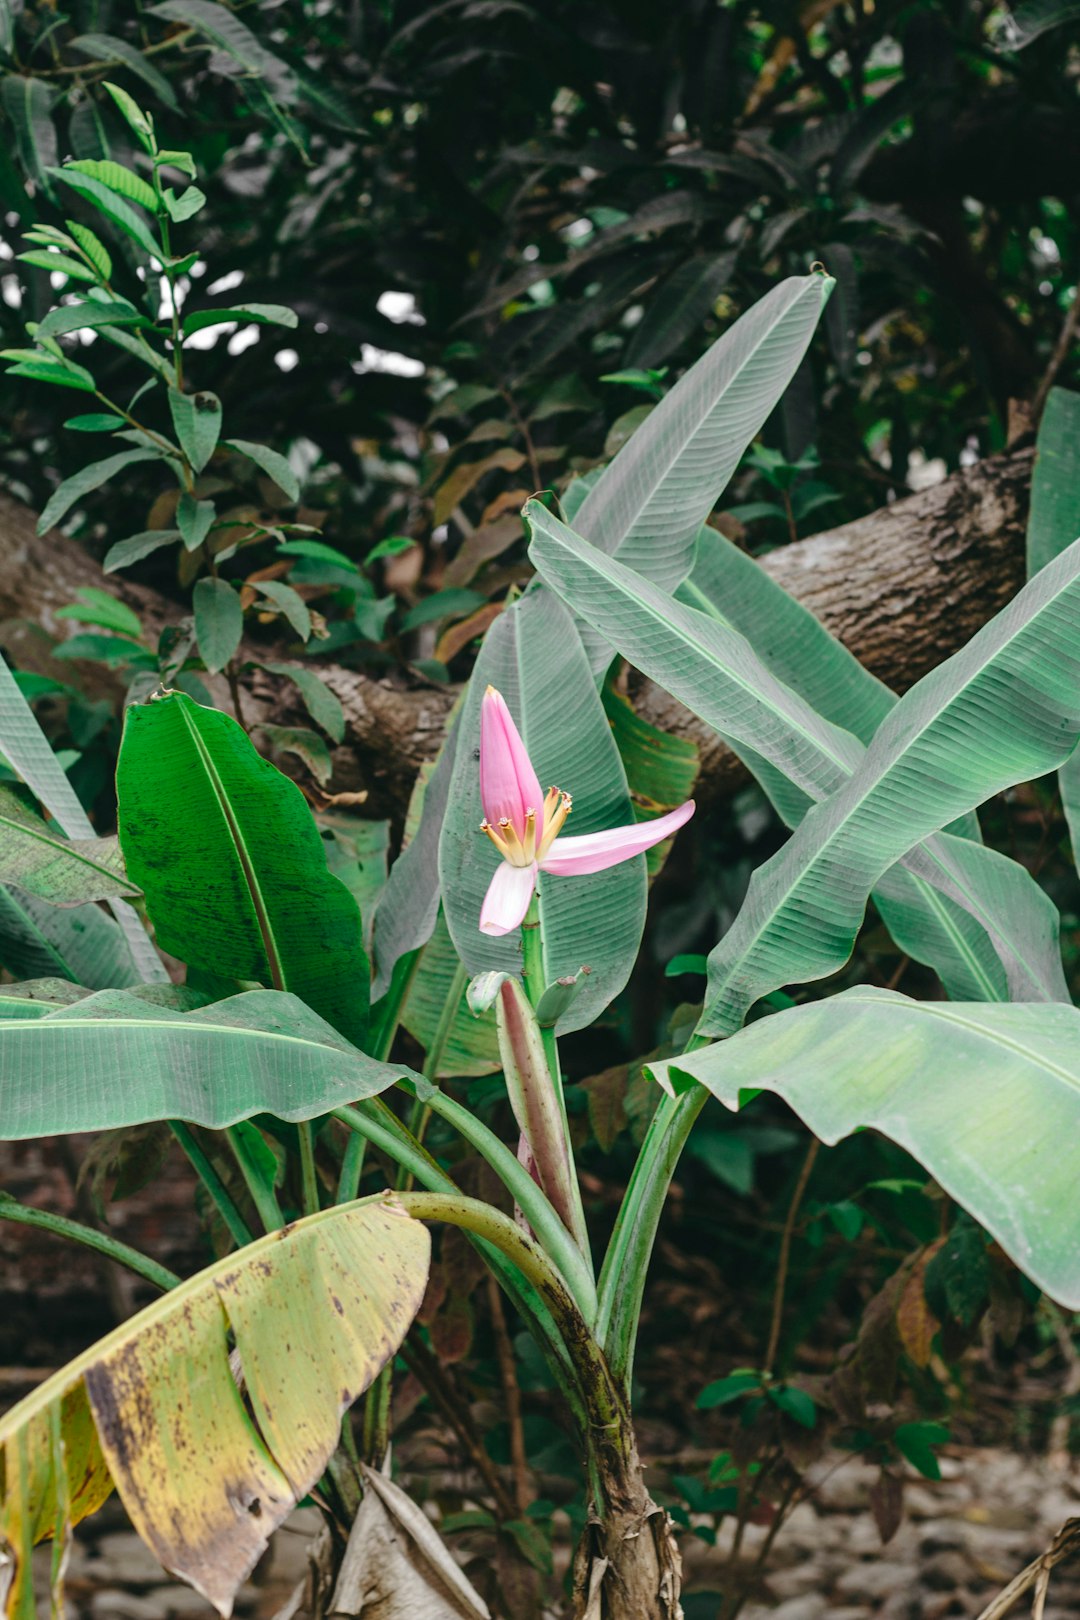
(525, 824)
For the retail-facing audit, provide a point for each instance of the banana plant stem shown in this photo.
(111, 1247)
(263, 1196)
(213, 1183)
(308, 1174)
(352, 1168)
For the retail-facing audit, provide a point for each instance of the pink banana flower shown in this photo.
(525, 825)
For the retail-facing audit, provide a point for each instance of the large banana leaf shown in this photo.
(112, 1059)
(25, 746)
(80, 943)
(232, 865)
(986, 1097)
(63, 872)
(208, 1472)
(1004, 709)
(1053, 524)
(650, 502)
(985, 926)
(470, 1046)
(533, 655)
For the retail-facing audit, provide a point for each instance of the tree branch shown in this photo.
(903, 588)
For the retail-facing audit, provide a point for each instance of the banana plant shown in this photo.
(512, 918)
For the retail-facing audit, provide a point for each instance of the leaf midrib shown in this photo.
(61, 846)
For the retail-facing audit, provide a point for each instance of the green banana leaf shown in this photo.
(470, 1046)
(231, 863)
(533, 655)
(1053, 524)
(63, 872)
(114, 1059)
(953, 904)
(208, 1469)
(27, 749)
(80, 943)
(986, 1097)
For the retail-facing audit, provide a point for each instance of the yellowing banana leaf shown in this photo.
(207, 1472)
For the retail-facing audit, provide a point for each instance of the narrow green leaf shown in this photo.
(219, 622)
(113, 207)
(98, 607)
(88, 479)
(197, 420)
(133, 115)
(324, 708)
(35, 858)
(193, 519)
(125, 182)
(62, 374)
(137, 546)
(108, 49)
(94, 422)
(197, 320)
(29, 102)
(87, 315)
(274, 465)
(96, 252)
(225, 30)
(292, 606)
(231, 863)
(58, 263)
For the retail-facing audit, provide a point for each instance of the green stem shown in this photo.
(308, 1173)
(532, 950)
(434, 1055)
(213, 1183)
(111, 1247)
(352, 1168)
(263, 1197)
(622, 1279)
(531, 1199)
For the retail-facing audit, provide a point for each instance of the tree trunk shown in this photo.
(903, 588)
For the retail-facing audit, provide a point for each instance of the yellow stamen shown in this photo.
(500, 843)
(529, 841)
(515, 849)
(557, 807)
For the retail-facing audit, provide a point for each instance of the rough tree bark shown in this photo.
(903, 588)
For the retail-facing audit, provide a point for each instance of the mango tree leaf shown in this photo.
(678, 309)
(99, 607)
(533, 655)
(206, 1472)
(27, 749)
(272, 464)
(1053, 524)
(35, 858)
(985, 926)
(987, 1097)
(225, 29)
(108, 49)
(231, 863)
(29, 102)
(197, 420)
(219, 621)
(1004, 709)
(117, 1060)
(87, 479)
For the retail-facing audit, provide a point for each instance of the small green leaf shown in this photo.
(96, 252)
(259, 314)
(113, 651)
(125, 182)
(193, 519)
(319, 551)
(441, 605)
(113, 207)
(728, 1389)
(306, 745)
(58, 263)
(197, 420)
(687, 963)
(87, 479)
(914, 1441)
(98, 607)
(219, 622)
(133, 115)
(89, 314)
(275, 466)
(795, 1404)
(392, 546)
(319, 701)
(42, 368)
(289, 603)
(186, 205)
(94, 422)
(137, 546)
(179, 160)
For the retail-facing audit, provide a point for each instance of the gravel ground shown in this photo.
(962, 1540)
